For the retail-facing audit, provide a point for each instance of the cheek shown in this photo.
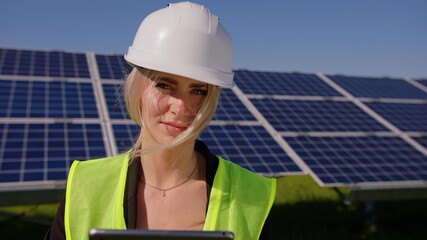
(196, 105)
(156, 103)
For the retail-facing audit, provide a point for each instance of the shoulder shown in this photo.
(105, 160)
(100, 167)
(236, 173)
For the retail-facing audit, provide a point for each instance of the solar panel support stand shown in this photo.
(370, 219)
(343, 197)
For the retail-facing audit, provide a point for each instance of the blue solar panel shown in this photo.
(55, 99)
(405, 116)
(273, 83)
(378, 87)
(230, 108)
(423, 82)
(340, 161)
(115, 102)
(305, 116)
(421, 140)
(251, 147)
(35, 152)
(125, 135)
(38, 63)
(112, 66)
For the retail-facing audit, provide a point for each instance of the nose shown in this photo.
(177, 105)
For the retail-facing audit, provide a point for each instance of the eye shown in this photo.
(201, 92)
(162, 85)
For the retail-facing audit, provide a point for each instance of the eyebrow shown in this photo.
(199, 85)
(166, 79)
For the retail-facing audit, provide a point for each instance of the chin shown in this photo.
(165, 138)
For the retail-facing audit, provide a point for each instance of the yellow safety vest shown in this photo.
(239, 201)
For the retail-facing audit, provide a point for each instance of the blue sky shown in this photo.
(363, 37)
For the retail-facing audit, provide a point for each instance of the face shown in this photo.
(170, 106)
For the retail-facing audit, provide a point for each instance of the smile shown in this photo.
(174, 127)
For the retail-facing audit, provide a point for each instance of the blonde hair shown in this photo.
(139, 80)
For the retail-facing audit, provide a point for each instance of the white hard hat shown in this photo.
(185, 39)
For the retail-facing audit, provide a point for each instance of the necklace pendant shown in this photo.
(164, 193)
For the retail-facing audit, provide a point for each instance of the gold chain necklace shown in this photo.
(167, 189)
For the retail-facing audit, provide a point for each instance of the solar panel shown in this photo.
(405, 116)
(125, 135)
(112, 66)
(115, 102)
(275, 83)
(54, 99)
(351, 161)
(43, 63)
(230, 108)
(379, 87)
(423, 82)
(421, 140)
(306, 116)
(251, 147)
(37, 152)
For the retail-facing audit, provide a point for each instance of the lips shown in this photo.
(174, 127)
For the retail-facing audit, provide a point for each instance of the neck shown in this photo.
(166, 168)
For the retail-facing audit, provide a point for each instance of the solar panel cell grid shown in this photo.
(421, 140)
(56, 99)
(305, 116)
(8, 62)
(38, 63)
(230, 108)
(423, 82)
(350, 160)
(379, 87)
(45, 151)
(25, 63)
(407, 117)
(112, 66)
(271, 83)
(125, 136)
(115, 102)
(249, 146)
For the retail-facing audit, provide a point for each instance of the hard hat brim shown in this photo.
(139, 58)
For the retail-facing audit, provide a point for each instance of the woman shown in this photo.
(181, 55)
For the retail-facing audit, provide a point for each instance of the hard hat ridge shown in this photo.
(184, 39)
(195, 16)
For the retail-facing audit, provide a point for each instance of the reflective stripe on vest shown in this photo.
(239, 201)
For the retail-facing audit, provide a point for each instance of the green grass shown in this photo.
(26, 222)
(302, 210)
(296, 189)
